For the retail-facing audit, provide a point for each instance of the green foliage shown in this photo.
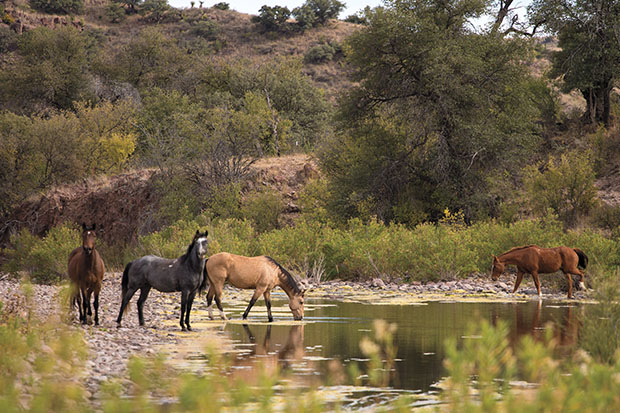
(38, 152)
(565, 185)
(317, 12)
(39, 362)
(573, 386)
(45, 260)
(51, 70)
(322, 53)
(599, 334)
(262, 208)
(420, 128)
(58, 6)
(115, 12)
(150, 59)
(206, 29)
(221, 6)
(588, 55)
(272, 19)
(154, 10)
(8, 39)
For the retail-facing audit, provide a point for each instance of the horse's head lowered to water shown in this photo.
(88, 238)
(296, 304)
(497, 268)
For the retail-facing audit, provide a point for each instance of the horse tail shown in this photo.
(125, 283)
(205, 276)
(583, 258)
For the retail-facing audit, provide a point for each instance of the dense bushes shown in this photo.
(58, 6)
(427, 252)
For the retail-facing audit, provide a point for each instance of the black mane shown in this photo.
(289, 278)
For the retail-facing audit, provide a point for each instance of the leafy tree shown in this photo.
(58, 6)
(272, 19)
(589, 59)
(281, 83)
(151, 59)
(36, 152)
(437, 110)
(130, 6)
(115, 11)
(221, 6)
(566, 185)
(51, 69)
(154, 10)
(317, 12)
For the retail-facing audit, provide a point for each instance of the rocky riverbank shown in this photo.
(110, 347)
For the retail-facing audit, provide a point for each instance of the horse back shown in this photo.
(241, 272)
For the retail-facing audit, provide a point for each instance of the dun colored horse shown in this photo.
(184, 274)
(261, 273)
(532, 259)
(86, 270)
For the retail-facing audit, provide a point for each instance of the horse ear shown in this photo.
(206, 232)
(83, 226)
(94, 226)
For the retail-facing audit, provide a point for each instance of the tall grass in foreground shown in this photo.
(447, 250)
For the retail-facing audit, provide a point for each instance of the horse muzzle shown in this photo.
(87, 250)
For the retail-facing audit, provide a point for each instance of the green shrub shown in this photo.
(221, 6)
(272, 19)
(322, 53)
(206, 29)
(44, 259)
(58, 6)
(566, 185)
(115, 12)
(263, 209)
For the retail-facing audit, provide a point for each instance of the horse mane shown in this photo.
(520, 248)
(289, 278)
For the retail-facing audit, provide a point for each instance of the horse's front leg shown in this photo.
(267, 296)
(96, 305)
(518, 280)
(257, 293)
(144, 293)
(537, 282)
(85, 304)
(190, 301)
(184, 295)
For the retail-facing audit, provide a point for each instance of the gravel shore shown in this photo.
(111, 347)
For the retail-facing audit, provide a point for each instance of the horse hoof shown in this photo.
(183, 329)
(189, 328)
(271, 319)
(118, 325)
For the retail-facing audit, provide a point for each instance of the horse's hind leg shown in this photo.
(210, 295)
(570, 284)
(267, 296)
(144, 292)
(126, 298)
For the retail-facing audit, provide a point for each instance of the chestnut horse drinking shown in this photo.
(86, 270)
(532, 259)
(261, 273)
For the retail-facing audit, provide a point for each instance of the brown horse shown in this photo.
(261, 273)
(86, 270)
(532, 259)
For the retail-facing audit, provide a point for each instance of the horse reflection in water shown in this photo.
(266, 358)
(528, 321)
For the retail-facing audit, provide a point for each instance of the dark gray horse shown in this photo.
(185, 274)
